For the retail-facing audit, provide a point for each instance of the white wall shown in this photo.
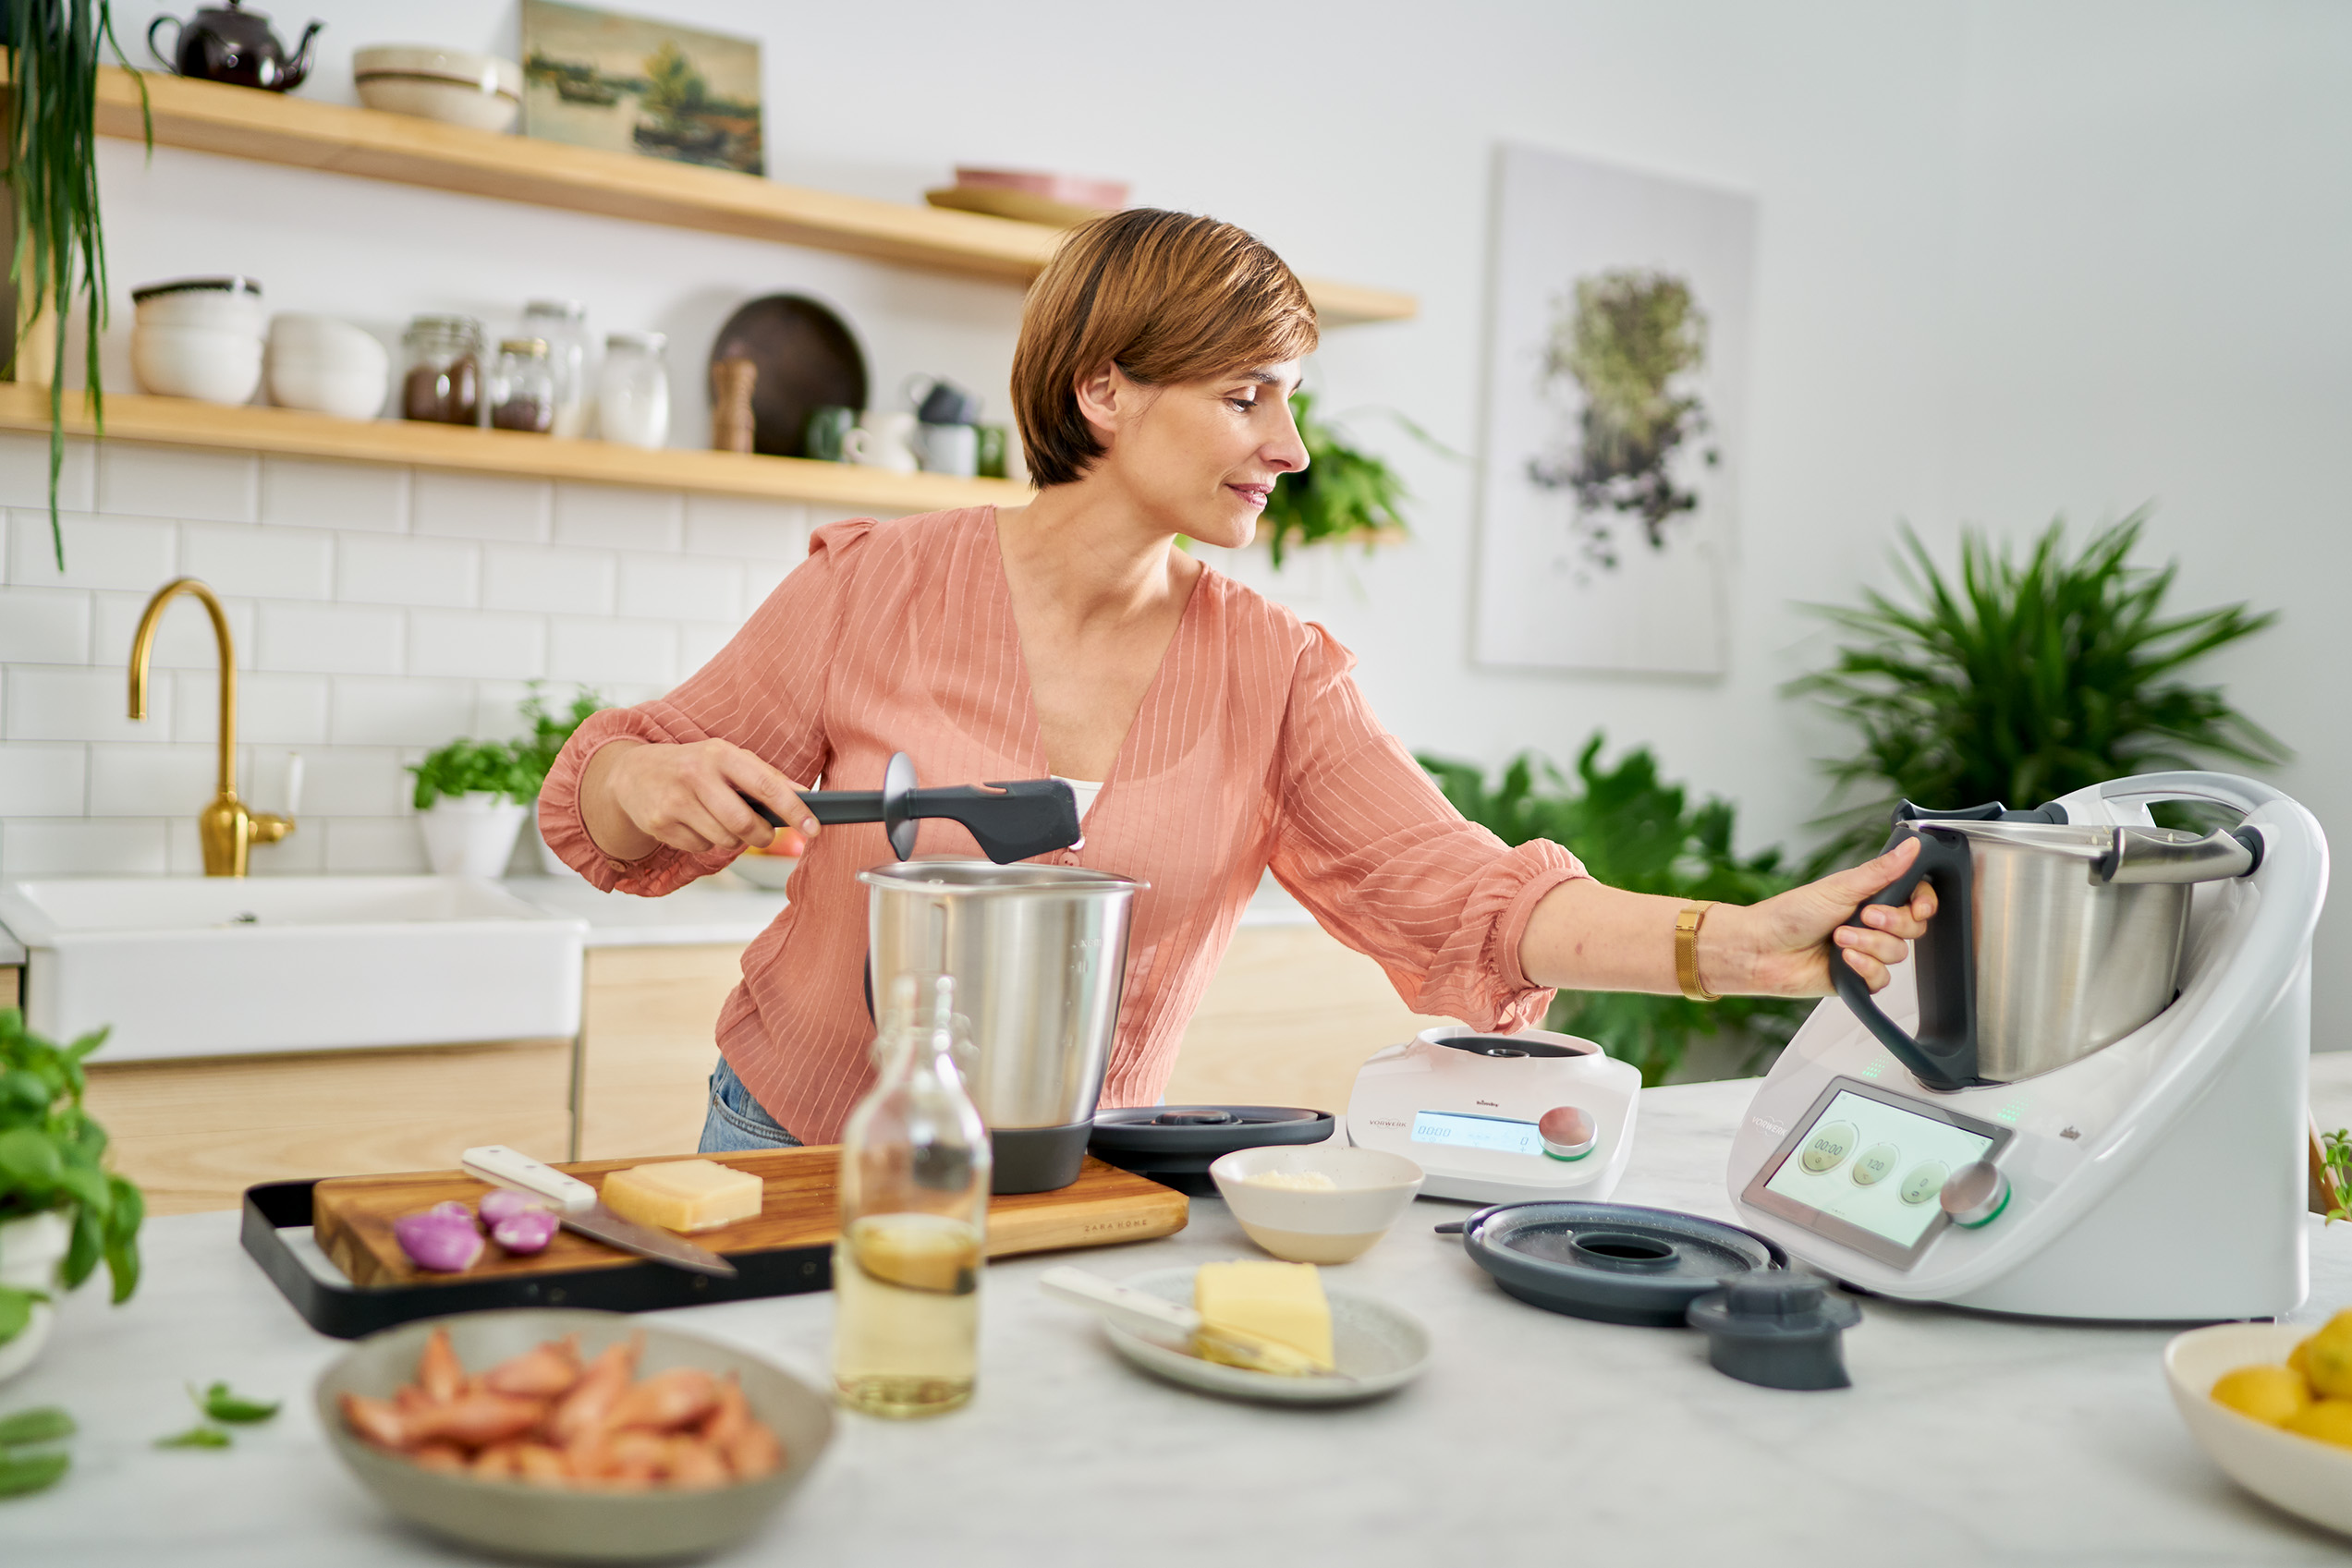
(2014, 258)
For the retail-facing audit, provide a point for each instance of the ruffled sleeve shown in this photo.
(765, 692)
(1366, 843)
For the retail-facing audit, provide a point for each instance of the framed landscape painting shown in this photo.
(1617, 359)
(631, 84)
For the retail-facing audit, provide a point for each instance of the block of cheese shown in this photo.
(683, 1194)
(1282, 1301)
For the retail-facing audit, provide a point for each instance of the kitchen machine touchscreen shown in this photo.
(1867, 1168)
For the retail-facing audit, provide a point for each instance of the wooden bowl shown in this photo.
(555, 1524)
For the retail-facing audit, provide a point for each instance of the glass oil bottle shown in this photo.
(914, 1216)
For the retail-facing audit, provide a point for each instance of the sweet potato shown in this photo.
(478, 1419)
(439, 1372)
(667, 1401)
(581, 1412)
(544, 1372)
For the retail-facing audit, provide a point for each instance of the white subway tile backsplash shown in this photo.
(578, 581)
(271, 708)
(44, 625)
(44, 780)
(476, 643)
(697, 645)
(51, 702)
(174, 481)
(363, 844)
(139, 553)
(80, 846)
(640, 651)
(760, 579)
(301, 853)
(337, 781)
(618, 518)
(680, 587)
(184, 848)
(150, 781)
(24, 472)
(481, 506)
(371, 711)
(301, 492)
(183, 638)
(747, 527)
(445, 572)
(259, 563)
(341, 640)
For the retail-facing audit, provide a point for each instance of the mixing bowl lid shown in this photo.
(1207, 1129)
(954, 878)
(1612, 1261)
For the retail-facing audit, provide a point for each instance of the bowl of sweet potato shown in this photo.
(583, 1436)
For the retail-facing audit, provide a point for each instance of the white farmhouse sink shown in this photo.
(221, 965)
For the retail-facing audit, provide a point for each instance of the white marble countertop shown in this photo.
(1533, 1436)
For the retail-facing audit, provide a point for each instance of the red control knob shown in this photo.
(1568, 1132)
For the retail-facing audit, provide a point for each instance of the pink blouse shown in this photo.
(1252, 748)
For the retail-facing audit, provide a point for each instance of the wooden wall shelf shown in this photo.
(274, 129)
(180, 421)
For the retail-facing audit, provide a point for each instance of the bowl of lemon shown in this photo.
(2271, 1404)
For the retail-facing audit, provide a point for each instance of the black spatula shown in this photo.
(1011, 822)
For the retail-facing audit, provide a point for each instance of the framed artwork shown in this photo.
(1616, 356)
(631, 84)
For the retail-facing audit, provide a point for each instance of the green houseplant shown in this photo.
(2022, 679)
(1343, 493)
(1635, 831)
(474, 795)
(62, 1213)
(549, 730)
(51, 158)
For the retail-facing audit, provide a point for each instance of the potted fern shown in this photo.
(2022, 680)
(62, 1213)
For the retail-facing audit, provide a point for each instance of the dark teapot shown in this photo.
(234, 45)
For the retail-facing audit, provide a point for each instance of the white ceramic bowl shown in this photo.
(2304, 1475)
(217, 308)
(454, 86)
(576, 1526)
(210, 363)
(328, 366)
(1371, 1189)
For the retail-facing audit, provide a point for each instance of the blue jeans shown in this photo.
(738, 1123)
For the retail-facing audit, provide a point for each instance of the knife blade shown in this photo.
(577, 1207)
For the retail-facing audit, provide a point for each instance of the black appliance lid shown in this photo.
(1207, 1129)
(1612, 1261)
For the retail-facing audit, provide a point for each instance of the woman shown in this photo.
(1210, 732)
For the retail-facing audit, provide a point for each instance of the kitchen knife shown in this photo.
(1010, 821)
(576, 1207)
(1150, 1316)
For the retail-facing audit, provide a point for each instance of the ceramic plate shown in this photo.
(2304, 1475)
(1380, 1348)
(807, 360)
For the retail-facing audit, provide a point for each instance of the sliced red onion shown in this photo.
(502, 1203)
(443, 1238)
(529, 1231)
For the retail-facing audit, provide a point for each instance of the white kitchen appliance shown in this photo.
(1500, 1118)
(2157, 1178)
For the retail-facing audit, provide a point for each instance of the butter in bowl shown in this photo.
(1316, 1203)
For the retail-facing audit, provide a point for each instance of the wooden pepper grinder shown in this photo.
(731, 384)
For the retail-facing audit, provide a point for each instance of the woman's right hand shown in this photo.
(636, 795)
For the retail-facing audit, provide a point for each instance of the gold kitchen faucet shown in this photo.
(227, 829)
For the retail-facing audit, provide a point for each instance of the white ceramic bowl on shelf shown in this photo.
(326, 366)
(2304, 1475)
(455, 86)
(214, 364)
(222, 304)
(1370, 1190)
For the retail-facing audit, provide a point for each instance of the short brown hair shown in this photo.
(1166, 297)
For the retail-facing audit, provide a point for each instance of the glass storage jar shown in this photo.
(633, 390)
(562, 326)
(522, 386)
(441, 380)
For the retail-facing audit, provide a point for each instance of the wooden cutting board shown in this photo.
(353, 1216)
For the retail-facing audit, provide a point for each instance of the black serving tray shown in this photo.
(346, 1312)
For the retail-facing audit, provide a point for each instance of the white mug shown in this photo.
(948, 449)
(883, 438)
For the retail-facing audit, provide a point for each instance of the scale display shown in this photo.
(1867, 1168)
(1451, 1130)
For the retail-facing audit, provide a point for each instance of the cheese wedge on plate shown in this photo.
(1258, 1299)
(683, 1194)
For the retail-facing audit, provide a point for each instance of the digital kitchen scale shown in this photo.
(2160, 1178)
(1499, 1118)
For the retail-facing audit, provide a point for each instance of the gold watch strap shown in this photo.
(1687, 920)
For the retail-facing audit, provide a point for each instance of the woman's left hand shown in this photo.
(1780, 947)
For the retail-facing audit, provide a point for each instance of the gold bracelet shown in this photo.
(1687, 923)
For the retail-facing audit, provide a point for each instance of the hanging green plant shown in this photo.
(52, 155)
(1343, 493)
(2023, 680)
